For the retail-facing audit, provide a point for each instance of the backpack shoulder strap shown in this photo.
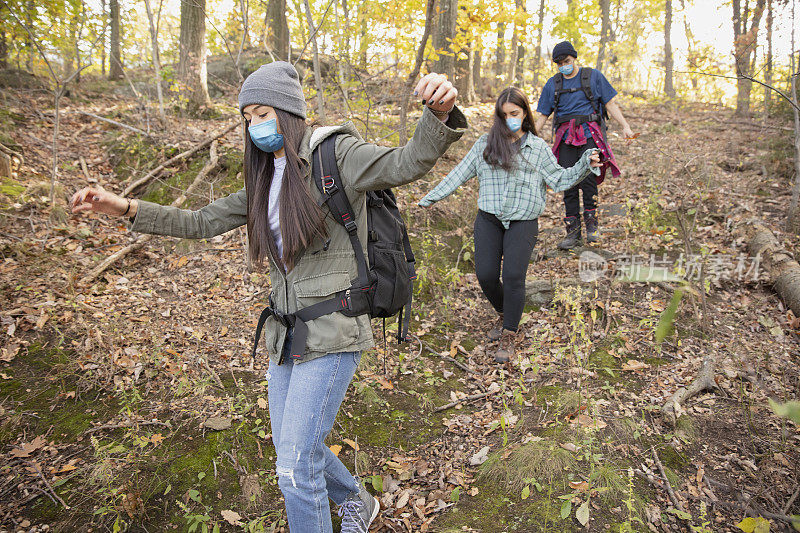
(586, 85)
(326, 178)
(558, 87)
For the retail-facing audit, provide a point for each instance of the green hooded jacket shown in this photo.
(321, 270)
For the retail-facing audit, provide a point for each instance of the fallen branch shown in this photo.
(47, 484)
(782, 270)
(703, 381)
(142, 239)
(115, 123)
(447, 358)
(467, 399)
(127, 425)
(12, 153)
(672, 496)
(183, 155)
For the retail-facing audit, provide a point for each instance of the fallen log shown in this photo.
(142, 239)
(704, 381)
(780, 266)
(144, 180)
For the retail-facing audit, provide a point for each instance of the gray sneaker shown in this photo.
(358, 511)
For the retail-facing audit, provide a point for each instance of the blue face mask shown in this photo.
(265, 136)
(514, 124)
(566, 70)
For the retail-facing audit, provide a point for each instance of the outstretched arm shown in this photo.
(616, 113)
(464, 170)
(214, 219)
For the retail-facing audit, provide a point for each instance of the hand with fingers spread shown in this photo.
(101, 201)
(594, 160)
(437, 93)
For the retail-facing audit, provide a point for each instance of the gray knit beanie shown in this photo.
(277, 85)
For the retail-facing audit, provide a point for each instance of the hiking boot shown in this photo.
(507, 348)
(358, 511)
(494, 333)
(573, 237)
(590, 220)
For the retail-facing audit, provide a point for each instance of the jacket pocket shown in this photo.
(331, 332)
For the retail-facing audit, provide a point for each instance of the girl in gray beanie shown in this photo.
(311, 259)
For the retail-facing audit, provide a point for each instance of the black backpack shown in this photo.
(384, 285)
(599, 114)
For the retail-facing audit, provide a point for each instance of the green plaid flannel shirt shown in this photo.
(518, 194)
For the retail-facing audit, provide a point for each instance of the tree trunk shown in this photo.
(192, 59)
(477, 81)
(538, 58)
(669, 88)
(768, 66)
(500, 56)
(412, 77)
(3, 43)
(605, 27)
(793, 218)
(745, 38)
(317, 72)
(103, 26)
(29, 7)
(520, 30)
(278, 29)
(156, 62)
(443, 35)
(469, 81)
(115, 66)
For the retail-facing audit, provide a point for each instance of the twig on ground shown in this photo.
(126, 425)
(672, 496)
(115, 123)
(466, 399)
(47, 483)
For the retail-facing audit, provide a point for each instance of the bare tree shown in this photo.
(59, 88)
(429, 15)
(793, 222)
(156, 57)
(244, 8)
(605, 31)
(115, 64)
(278, 29)
(443, 34)
(669, 88)
(312, 30)
(103, 26)
(768, 65)
(500, 55)
(192, 60)
(538, 59)
(745, 36)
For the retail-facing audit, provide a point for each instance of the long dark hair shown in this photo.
(500, 151)
(301, 219)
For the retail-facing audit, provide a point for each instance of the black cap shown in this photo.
(562, 50)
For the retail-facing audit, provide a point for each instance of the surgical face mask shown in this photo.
(265, 136)
(514, 124)
(566, 70)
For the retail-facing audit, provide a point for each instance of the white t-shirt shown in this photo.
(274, 195)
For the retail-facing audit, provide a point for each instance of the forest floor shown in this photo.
(131, 403)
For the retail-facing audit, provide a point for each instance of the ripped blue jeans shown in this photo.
(303, 401)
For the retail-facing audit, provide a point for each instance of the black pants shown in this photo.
(568, 155)
(514, 246)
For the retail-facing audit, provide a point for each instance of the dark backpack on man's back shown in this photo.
(599, 114)
(384, 285)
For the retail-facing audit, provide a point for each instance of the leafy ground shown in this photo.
(131, 403)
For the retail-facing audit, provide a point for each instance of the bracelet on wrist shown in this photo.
(128, 209)
(441, 113)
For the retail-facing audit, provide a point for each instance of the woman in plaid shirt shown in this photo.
(514, 168)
